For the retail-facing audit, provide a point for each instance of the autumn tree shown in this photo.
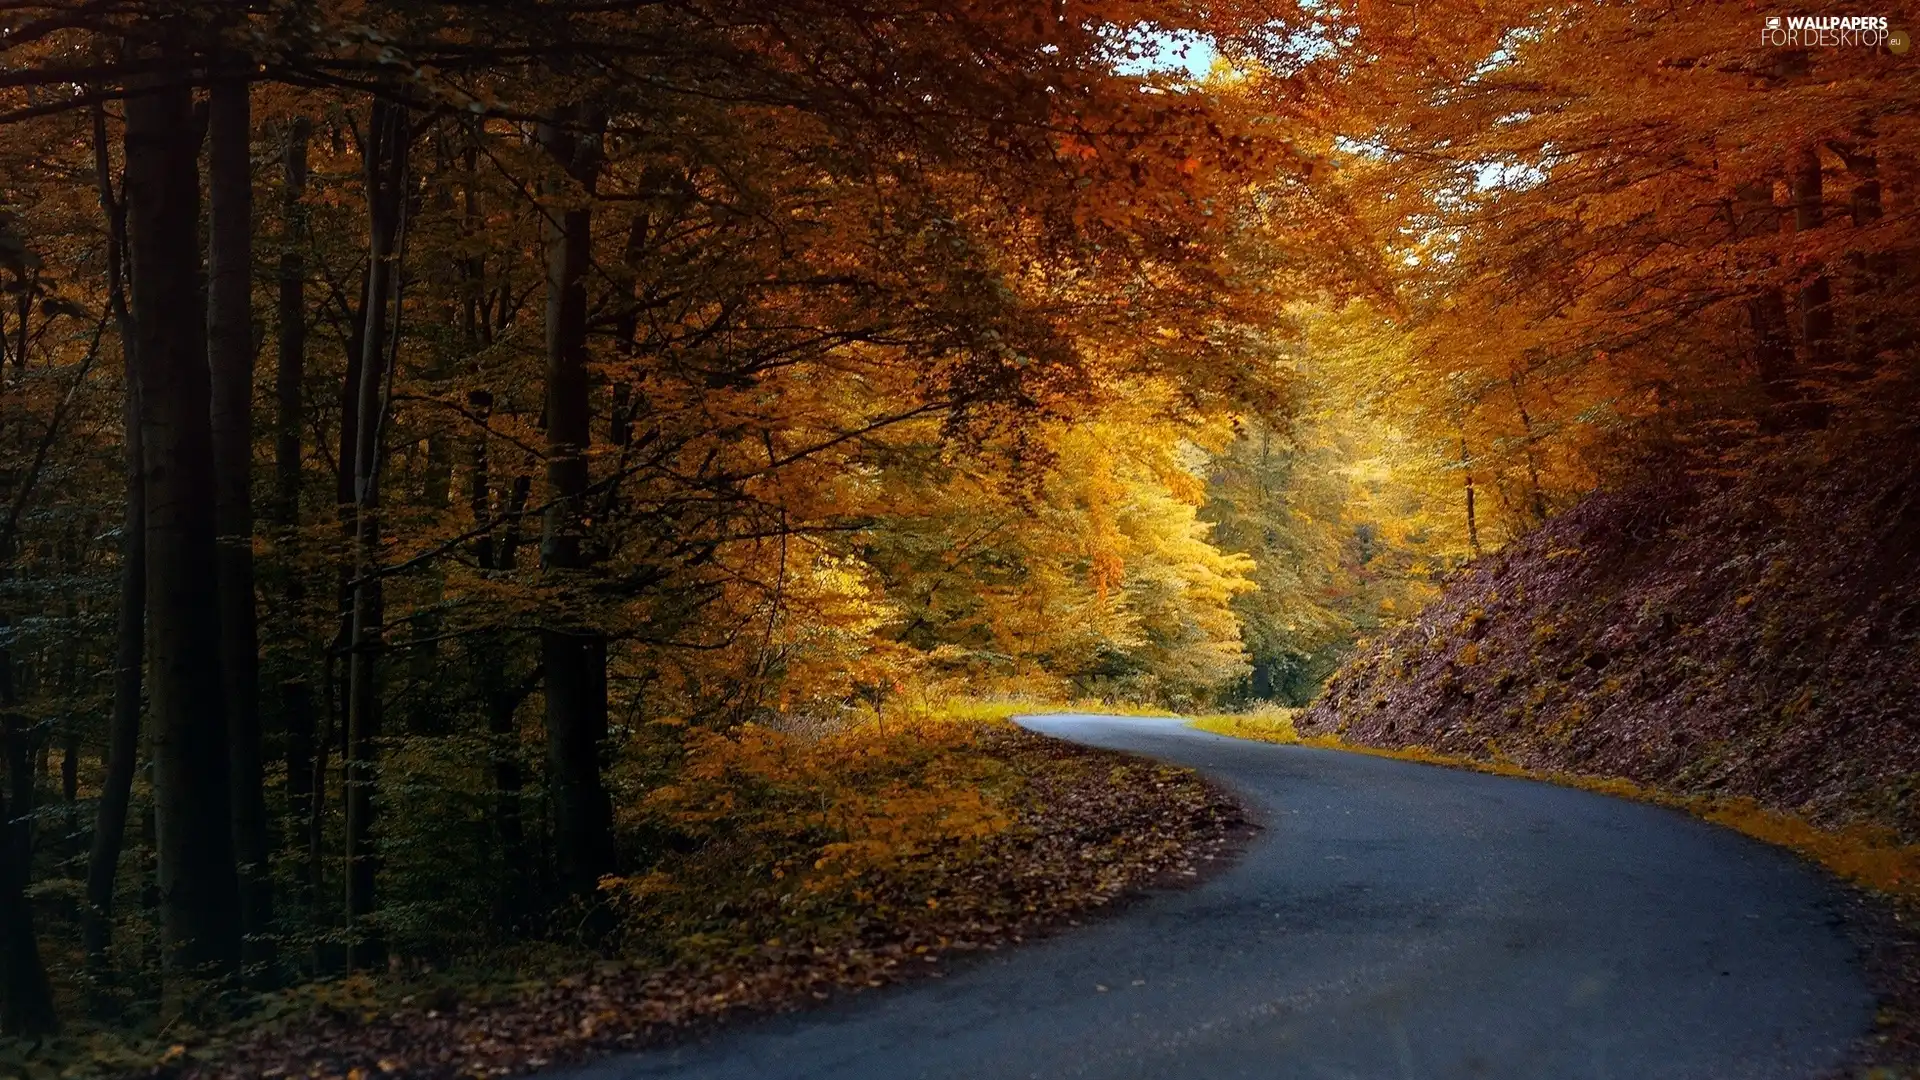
(1610, 225)
(690, 298)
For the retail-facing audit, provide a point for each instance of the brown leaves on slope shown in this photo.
(1743, 629)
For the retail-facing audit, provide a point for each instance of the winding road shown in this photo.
(1393, 921)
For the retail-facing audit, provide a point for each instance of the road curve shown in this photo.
(1392, 922)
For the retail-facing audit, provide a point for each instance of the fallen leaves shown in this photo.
(1085, 829)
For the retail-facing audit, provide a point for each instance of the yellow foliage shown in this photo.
(807, 814)
(1269, 723)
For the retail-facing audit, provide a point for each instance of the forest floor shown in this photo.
(1082, 829)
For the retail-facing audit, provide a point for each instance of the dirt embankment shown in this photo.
(1750, 629)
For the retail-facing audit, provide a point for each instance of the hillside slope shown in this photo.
(1750, 631)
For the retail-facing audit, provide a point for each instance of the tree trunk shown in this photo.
(296, 703)
(69, 775)
(289, 392)
(1868, 273)
(509, 557)
(1772, 346)
(480, 480)
(324, 956)
(576, 684)
(350, 410)
(1772, 352)
(230, 359)
(508, 778)
(335, 689)
(387, 139)
(291, 370)
(69, 690)
(1473, 524)
(573, 655)
(1531, 442)
(490, 658)
(26, 997)
(476, 326)
(198, 886)
(23, 326)
(1809, 213)
(1816, 296)
(123, 735)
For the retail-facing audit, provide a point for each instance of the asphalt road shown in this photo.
(1392, 922)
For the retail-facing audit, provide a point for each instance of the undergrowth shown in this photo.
(784, 867)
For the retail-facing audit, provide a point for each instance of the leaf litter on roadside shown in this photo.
(1083, 829)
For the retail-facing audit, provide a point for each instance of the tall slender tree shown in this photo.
(291, 370)
(385, 147)
(230, 361)
(129, 651)
(574, 655)
(199, 888)
(26, 997)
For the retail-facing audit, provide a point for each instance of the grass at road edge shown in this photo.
(1884, 920)
(1865, 854)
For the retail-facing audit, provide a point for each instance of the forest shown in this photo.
(474, 469)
